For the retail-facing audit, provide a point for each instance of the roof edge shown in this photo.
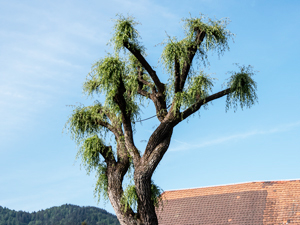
(222, 185)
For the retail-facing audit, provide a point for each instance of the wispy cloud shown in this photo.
(41, 57)
(234, 137)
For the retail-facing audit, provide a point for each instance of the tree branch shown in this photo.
(108, 126)
(195, 107)
(191, 53)
(141, 83)
(143, 93)
(158, 98)
(177, 75)
(141, 79)
(160, 86)
(126, 119)
(108, 155)
(160, 139)
(181, 76)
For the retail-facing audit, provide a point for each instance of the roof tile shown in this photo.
(255, 203)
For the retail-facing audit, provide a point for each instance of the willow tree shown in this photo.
(127, 81)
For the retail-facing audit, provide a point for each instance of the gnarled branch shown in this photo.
(160, 86)
(126, 119)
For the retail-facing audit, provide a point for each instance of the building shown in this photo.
(255, 203)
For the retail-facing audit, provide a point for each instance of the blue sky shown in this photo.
(47, 49)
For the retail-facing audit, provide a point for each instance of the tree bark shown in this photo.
(144, 172)
(115, 193)
(146, 208)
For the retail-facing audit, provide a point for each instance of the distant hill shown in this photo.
(62, 215)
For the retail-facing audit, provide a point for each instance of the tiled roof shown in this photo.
(256, 203)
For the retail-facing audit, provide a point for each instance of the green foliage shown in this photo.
(216, 34)
(84, 128)
(216, 38)
(243, 88)
(102, 183)
(105, 78)
(175, 50)
(63, 215)
(125, 32)
(198, 87)
(83, 122)
(156, 194)
(90, 152)
(130, 198)
(134, 66)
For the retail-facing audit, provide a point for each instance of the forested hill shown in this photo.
(62, 215)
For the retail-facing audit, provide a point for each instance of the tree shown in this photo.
(128, 81)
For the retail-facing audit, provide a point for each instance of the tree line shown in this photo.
(62, 215)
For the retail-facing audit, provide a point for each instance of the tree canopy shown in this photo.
(128, 82)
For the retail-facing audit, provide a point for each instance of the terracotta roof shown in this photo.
(256, 203)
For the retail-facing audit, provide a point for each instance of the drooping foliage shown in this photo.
(125, 32)
(215, 38)
(175, 49)
(84, 128)
(130, 197)
(90, 152)
(105, 78)
(84, 122)
(198, 87)
(243, 88)
(216, 34)
(101, 184)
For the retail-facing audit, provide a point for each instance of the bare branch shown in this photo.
(177, 75)
(191, 53)
(142, 80)
(160, 86)
(195, 107)
(108, 126)
(143, 93)
(126, 119)
(157, 97)
(141, 83)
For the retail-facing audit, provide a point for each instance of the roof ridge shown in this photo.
(247, 182)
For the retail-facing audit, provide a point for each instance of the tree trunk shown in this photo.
(124, 219)
(142, 179)
(146, 209)
(146, 215)
(115, 192)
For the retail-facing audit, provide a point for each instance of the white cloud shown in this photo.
(234, 137)
(41, 49)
